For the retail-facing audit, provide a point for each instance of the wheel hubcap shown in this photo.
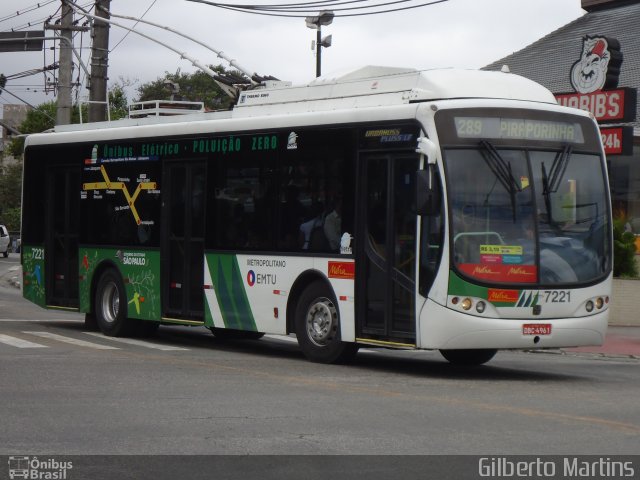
(110, 302)
(321, 322)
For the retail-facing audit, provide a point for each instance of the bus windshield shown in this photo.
(533, 216)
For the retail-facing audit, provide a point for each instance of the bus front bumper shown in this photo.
(446, 329)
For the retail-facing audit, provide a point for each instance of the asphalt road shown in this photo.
(68, 391)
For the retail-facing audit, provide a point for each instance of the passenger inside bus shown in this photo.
(333, 225)
(292, 216)
(312, 235)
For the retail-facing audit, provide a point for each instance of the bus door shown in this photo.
(62, 209)
(386, 246)
(183, 240)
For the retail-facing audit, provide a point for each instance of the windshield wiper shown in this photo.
(556, 174)
(502, 170)
(551, 182)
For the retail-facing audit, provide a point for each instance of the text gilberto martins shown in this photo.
(568, 467)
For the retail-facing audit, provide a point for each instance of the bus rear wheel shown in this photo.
(468, 357)
(317, 324)
(111, 305)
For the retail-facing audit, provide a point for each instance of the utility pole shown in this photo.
(65, 63)
(99, 63)
(63, 114)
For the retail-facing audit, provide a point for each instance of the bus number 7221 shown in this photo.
(557, 296)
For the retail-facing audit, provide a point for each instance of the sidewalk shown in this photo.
(619, 342)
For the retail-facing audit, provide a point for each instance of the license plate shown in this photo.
(536, 329)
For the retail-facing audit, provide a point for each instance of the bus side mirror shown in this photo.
(428, 192)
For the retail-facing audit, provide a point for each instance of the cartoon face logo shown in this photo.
(589, 74)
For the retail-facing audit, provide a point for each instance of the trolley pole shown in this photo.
(99, 62)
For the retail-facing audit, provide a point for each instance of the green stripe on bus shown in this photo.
(458, 286)
(229, 287)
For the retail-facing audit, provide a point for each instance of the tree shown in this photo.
(39, 119)
(194, 87)
(10, 189)
(118, 103)
(624, 250)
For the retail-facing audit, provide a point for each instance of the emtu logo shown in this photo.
(251, 278)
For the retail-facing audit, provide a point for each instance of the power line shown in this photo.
(39, 20)
(4, 90)
(134, 26)
(34, 71)
(296, 11)
(26, 10)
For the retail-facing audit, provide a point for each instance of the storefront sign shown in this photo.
(617, 140)
(607, 105)
(594, 77)
(598, 66)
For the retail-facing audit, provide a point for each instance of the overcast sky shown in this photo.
(455, 33)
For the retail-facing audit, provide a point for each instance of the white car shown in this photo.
(4, 241)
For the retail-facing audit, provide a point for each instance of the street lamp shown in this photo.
(315, 23)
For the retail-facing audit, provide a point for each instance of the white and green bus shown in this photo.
(463, 211)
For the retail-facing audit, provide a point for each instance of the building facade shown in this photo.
(594, 63)
(12, 117)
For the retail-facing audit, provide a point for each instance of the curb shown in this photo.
(570, 353)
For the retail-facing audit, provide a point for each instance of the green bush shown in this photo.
(11, 219)
(624, 250)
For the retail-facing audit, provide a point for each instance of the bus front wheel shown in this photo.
(468, 357)
(318, 326)
(111, 305)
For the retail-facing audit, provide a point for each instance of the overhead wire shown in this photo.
(340, 8)
(134, 26)
(295, 11)
(26, 10)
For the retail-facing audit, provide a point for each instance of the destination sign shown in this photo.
(518, 129)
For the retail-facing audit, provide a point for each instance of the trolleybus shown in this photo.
(462, 211)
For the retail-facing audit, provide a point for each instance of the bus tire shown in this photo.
(111, 305)
(317, 322)
(469, 357)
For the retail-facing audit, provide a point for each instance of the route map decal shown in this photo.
(131, 199)
(121, 181)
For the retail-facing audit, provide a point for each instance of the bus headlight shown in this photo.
(466, 304)
(599, 303)
(480, 306)
(589, 306)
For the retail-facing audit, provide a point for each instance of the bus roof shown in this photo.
(384, 86)
(366, 87)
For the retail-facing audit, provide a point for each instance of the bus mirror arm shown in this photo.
(428, 192)
(427, 148)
